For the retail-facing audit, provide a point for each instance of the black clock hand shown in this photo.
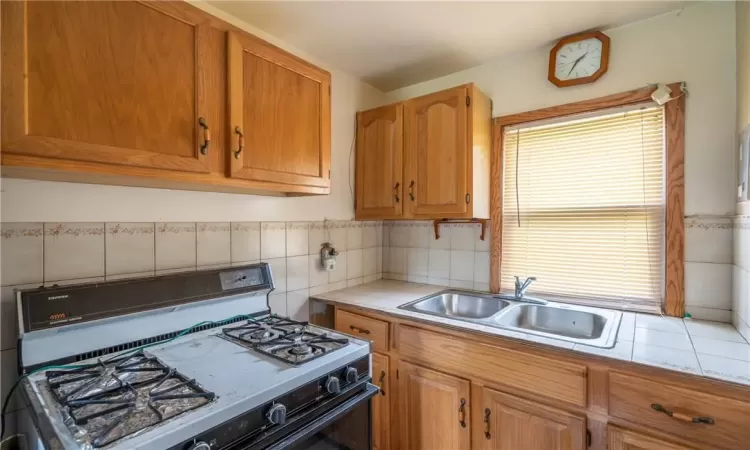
(576, 63)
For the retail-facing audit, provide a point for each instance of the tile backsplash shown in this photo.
(741, 276)
(459, 258)
(35, 254)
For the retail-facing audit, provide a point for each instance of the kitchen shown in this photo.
(160, 212)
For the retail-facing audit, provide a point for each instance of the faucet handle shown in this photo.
(531, 279)
(518, 281)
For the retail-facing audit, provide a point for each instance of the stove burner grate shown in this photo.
(112, 399)
(264, 330)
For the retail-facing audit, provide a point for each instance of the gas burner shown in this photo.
(112, 399)
(302, 347)
(260, 331)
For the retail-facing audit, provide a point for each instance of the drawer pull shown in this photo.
(382, 378)
(395, 192)
(682, 416)
(411, 190)
(359, 330)
(462, 413)
(487, 413)
(206, 136)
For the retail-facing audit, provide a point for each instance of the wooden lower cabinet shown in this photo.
(434, 411)
(381, 412)
(511, 423)
(620, 439)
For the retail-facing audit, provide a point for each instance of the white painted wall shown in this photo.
(743, 64)
(696, 46)
(39, 201)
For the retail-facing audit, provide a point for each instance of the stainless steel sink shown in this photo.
(579, 324)
(555, 321)
(460, 305)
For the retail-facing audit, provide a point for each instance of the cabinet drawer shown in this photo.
(559, 380)
(365, 328)
(631, 398)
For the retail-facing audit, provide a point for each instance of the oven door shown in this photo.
(347, 426)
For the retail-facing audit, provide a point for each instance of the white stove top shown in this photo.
(242, 379)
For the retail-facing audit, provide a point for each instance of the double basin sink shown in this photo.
(581, 325)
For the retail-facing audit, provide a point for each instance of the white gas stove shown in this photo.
(191, 361)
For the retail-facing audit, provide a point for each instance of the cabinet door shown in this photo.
(434, 409)
(511, 423)
(379, 163)
(620, 439)
(381, 412)
(280, 116)
(107, 82)
(437, 154)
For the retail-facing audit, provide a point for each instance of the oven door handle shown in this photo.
(325, 420)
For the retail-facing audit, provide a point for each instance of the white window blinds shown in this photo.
(583, 208)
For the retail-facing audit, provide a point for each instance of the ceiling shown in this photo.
(395, 44)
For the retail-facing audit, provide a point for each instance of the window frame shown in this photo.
(674, 239)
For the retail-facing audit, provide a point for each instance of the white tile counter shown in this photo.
(710, 349)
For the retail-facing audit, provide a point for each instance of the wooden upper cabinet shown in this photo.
(437, 153)
(106, 82)
(445, 151)
(279, 115)
(434, 409)
(620, 439)
(511, 423)
(379, 168)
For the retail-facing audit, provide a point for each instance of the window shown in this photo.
(583, 207)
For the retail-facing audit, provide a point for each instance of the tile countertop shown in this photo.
(710, 349)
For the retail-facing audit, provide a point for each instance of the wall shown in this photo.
(696, 45)
(741, 243)
(63, 233)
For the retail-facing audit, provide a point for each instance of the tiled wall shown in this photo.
(458, 259)
(70, 253)
(708, 267)
(741, 276)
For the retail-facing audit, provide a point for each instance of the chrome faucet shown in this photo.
(521, 288)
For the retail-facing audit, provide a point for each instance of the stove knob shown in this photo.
(333, 386)
(277, 414)
(200, 445)
(351, 375)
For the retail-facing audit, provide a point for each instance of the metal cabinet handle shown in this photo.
(359, 330)
(462, 413)
(206, 136)
(380, 382)
(682, 416)
(411, 190)
(487, 413)
(240, 141)
(395, 193)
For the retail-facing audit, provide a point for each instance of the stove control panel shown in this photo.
(242, 278)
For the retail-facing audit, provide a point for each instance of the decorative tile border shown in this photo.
(129, 230)
(8, 233)
(62, 229)
(167, 228)
(213, 227)
(245, 226)
(298, 225)
(273, 225)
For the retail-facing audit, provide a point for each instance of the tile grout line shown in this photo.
(695, 352)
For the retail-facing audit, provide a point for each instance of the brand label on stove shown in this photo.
(58, 297)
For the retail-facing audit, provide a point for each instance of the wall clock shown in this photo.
(579, 59)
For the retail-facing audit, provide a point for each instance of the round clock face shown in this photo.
(579, 59)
